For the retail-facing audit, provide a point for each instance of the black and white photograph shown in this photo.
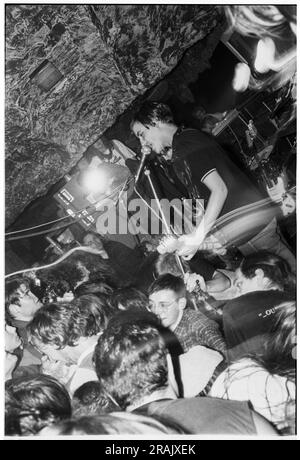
(149, 223)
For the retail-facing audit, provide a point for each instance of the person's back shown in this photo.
(203, 415)
(248, 320)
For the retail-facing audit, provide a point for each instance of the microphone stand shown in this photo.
(165, 223)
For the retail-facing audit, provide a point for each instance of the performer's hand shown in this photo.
(190, 244)
(192, 280)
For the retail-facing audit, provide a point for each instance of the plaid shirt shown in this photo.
(195, 328)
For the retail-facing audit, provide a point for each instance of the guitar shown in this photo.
(235, 227)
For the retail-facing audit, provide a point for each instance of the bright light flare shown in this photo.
(265, 55)
(95, 180)
(242, 74)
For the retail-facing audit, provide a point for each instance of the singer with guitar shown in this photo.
(207, 172)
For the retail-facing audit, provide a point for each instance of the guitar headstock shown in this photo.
(168, 244)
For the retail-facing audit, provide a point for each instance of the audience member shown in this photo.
(119, 423)
(95, 311)
(168, 300)
(131, 364)
(60, 281)
(13, 345)
(98, 289)
(129, 297)
(267, 380)
(20, 306)
(33, 403)
(264, 280)
(61, 332)
(90, 399)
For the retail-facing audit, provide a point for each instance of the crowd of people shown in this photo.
(88, 352)
(95, 346)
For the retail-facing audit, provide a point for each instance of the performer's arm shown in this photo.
(218, 195)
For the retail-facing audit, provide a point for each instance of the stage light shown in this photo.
(96, 181)
(265, 54)
(242, 74)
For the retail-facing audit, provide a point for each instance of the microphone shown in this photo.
(145, 152)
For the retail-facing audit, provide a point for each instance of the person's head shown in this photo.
(153, 125)
(167, 298)
(167, 263)
(98, 289)
(283, 342)
(263, 271)
(94, 241)
(31, 403)
(90, 398)
(118, 423)
(60, 281)
(95, 310)
(20, 303)
(131, 362)
(129, 297)
(58, 331)
(100, 270)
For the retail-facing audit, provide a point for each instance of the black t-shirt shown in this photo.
(249, 319)
(196, 155)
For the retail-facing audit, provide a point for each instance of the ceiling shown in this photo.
(108, 56)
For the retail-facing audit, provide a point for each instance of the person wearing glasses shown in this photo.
(168, 300)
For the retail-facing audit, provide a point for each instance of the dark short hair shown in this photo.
(95, 310)
(59, 279)
(97, 289)
(131, 361)
(274, 267)
(60, 324)
(168, 282)
(152, 112)
(31, 403)
(129, 297)
(90, 398)
(116, 424)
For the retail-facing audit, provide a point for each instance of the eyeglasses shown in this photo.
(161, 306)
